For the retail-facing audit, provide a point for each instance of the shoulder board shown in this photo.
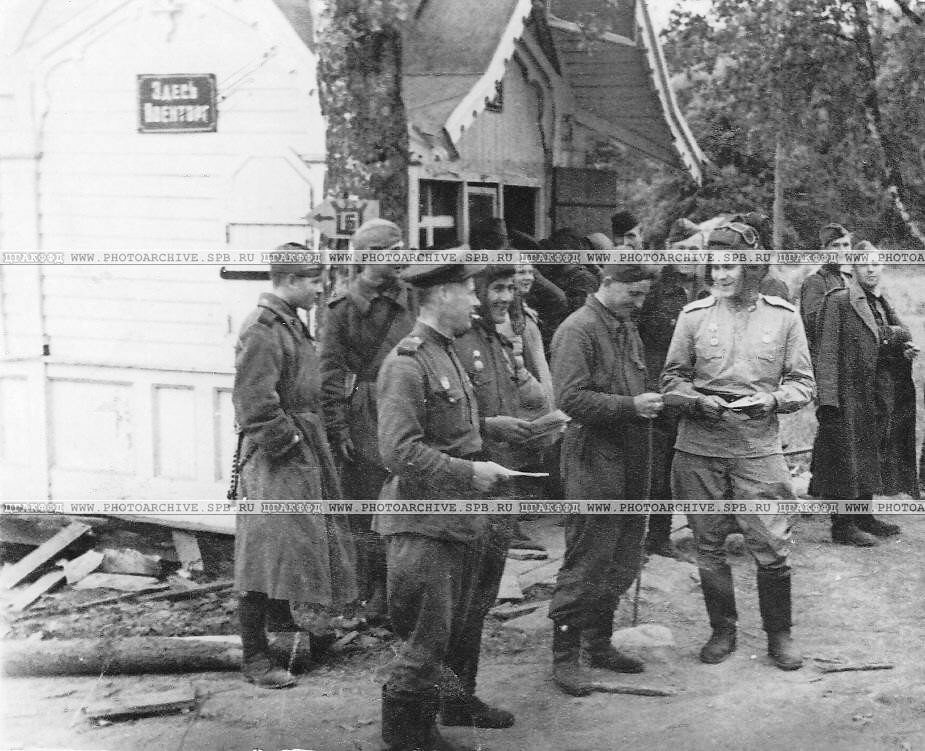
(704, 302)
(779, 302)
(409, 345)
(336, 299)
(267, 317)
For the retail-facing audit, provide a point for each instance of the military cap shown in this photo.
(496, 271)
(734, 236)
(377, 234)
(623, 222)
(832, 232)
(291, 252)
(430, 275)
(489, 234)
(628, 273)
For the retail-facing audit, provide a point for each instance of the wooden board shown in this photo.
(509, 589)
(220, 523)
(14, 574)
(143, 704)
(35, 590)
(187, 550)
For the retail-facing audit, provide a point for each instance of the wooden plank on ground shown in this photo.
(14, 574)
(545, 574)
(35, 590)
(122, 582)
(507, 610)
(82, 566)
(187, 550)
(220, 523)
(509, 589)
(127, 705)
(519, 554)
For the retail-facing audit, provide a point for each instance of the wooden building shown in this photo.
(194, 124)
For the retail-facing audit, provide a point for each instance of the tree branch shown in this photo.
(909, 13)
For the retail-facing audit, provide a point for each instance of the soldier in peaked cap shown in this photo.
(430, 443)
(283, 454)
(363, 324)
(738, 358)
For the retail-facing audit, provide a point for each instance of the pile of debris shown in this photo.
(91, 595)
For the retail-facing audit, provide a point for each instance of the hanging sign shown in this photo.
(177, 103)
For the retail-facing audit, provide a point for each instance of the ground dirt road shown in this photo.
(852, 605)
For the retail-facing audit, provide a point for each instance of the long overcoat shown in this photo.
(858, 452)
(284, 455)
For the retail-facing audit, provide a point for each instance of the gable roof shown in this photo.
(455, 51)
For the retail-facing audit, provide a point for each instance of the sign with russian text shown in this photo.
(177, 104)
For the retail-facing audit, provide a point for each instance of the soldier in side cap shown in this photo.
(599, 372)
(738, 358)
(626, 230)
(283, 455)
(363, 324)
(430, 443)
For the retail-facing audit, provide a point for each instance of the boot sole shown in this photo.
(786, 665)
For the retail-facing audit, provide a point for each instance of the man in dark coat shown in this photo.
(430, 443)
(599, 373)
(363, 325)
(501, 386)
(283, 455)
(866, 439)
(829, 276)
(736, 360)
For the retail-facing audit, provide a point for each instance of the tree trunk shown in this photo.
(359, 76)
(121, 656)
(778, 193)
(867, 68)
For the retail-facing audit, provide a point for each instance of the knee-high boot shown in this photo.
(719, 598)
(774, 601)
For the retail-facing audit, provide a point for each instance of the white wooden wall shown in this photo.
(134, 399)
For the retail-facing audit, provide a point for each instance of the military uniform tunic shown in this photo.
(428, 439)
(731, 352)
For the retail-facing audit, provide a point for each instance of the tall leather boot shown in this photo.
(601, 653)
(774, 601)
(567, 671)
(409, 723)
(720, 600)
(257, 667)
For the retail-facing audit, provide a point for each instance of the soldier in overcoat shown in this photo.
(865, 444)
(363, 324)
(284, 455)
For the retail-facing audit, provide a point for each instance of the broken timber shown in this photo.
(121, 656)
(13, 575)
(138, 704)
(855, 668)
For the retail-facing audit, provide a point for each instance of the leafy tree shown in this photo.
(823, 95)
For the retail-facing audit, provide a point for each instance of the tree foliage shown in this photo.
(838, 85)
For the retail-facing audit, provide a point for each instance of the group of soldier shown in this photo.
(431, 383)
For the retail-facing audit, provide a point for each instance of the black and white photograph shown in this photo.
(462, 375)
